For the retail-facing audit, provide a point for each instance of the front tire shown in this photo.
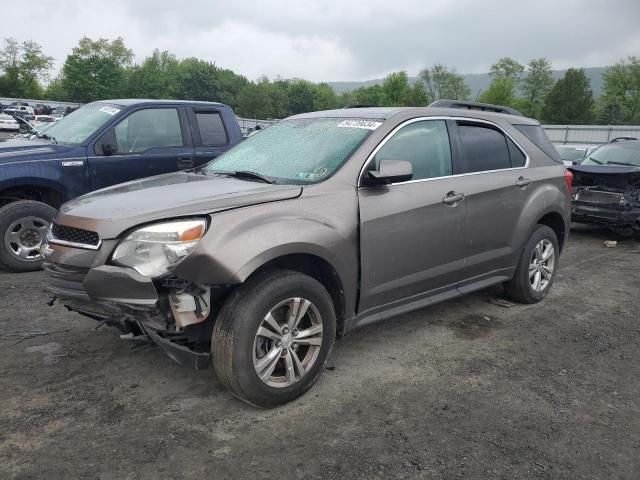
(537, 267)
(23, 226)
(273, 337)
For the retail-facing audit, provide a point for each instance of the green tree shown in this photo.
(502, 91)
(536, 86)
(301, 96)
(416, 96)
(155, 78)
(395, 88)
(22, 66)
(441, 82)
(324, 98)
(254, 101)
(96, 70)
(570, 101)
(196, 80)
(372, 95)
(506, 68)
(622, 91)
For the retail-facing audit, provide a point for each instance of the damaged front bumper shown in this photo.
(619, 217)
(144, 311)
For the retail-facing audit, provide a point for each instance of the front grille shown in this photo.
(74, 235)
(600, 198)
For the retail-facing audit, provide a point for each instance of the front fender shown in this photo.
(241, 241)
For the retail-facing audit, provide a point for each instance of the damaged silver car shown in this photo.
(606, 188)
(323, 222)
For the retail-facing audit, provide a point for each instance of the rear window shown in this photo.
(536, 135)
(212, 132)
(482, 148)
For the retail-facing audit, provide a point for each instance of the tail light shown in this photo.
(568, 180)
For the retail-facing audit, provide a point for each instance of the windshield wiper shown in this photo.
(248, 175)
(591, 159)
(622, 163)
(46, 136)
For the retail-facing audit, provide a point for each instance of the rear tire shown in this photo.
(260, 361)
(537, 267)
(23, 226)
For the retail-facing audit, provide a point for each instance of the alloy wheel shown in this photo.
(541, 265)
(287, 342)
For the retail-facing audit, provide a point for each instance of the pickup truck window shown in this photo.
(212, 132)
(76, 127)
(298, 151)
(149, 128)
(425, 144)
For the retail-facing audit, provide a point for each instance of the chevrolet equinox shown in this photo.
(323, 222)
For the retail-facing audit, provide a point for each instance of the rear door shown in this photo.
(149, 141)
(495, 182)
(412, 233)
(210, 135)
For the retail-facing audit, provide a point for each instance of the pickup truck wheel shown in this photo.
(273, 337)
(537, 267)
(23, 226)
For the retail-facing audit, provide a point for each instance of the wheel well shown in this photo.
(319, 269)
(40, 194)
(555, 221)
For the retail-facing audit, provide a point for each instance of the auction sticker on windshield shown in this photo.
(366, 124)
(109, 110)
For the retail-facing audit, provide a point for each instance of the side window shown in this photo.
(149, 128)
(212, 132)
(483, 148)
(425, 144)
(518, 159)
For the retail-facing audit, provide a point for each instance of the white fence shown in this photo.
(589, 133)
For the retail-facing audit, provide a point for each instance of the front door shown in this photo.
(413, 233)
(147, 142)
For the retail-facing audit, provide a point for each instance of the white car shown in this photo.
(7, 122)
(42, 120)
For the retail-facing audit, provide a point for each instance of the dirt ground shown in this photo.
(465, 389)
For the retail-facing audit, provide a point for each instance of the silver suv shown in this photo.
(321, 223)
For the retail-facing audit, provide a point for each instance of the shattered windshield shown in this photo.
(615, 154)
(301, 151)
(76, 127)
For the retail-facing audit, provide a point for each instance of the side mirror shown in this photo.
(108, 149)
(390, 171)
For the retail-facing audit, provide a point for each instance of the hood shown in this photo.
(15, 150)
(112, 210)
(617, 177)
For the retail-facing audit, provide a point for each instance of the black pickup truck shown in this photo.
(101, 144)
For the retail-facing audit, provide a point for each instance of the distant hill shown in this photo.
(477, 82)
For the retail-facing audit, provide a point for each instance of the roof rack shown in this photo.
(621, 139)
(485, 107)
(360, 106)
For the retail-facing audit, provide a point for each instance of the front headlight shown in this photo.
(154, 249)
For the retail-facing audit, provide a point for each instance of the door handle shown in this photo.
(523, 182)
(184, 163)
(452, 198)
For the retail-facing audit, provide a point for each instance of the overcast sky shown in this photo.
(340, 39)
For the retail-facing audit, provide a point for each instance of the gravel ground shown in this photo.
(464, 389)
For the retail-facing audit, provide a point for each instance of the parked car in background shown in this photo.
(101, 144)
(41, 120)
(7, 122)
(42, 109)
(22, 107)
(573, 154)
(321, 223)
(60, 112)
(607, 187)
